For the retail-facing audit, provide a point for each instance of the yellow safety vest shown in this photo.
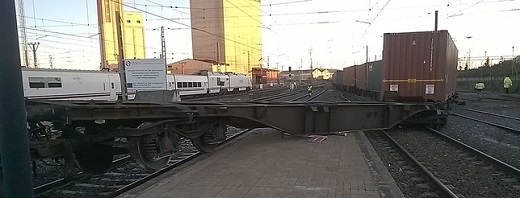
(480, 86)
(507, 82)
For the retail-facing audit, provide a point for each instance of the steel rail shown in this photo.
(486, 122)
(166, 169)
(305, 95)
(321, 92)
(493, 114)
(277, 96)
(41, 189)
(443, 188)
(500, 164)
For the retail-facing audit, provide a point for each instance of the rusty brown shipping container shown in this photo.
(361, 76)
(348, 76)
(419, 66)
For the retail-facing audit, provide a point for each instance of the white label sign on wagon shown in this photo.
(430, 89)
(394, 88)
(145, 74)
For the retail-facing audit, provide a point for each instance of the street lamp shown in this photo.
(468, 64)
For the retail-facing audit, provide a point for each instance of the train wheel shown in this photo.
(145, 151)
(97, 159)
(210, 140)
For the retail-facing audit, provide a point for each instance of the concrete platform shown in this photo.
(262, 164)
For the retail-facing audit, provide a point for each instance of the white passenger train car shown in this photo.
(56, 84)
(188, 84)
(70, 84)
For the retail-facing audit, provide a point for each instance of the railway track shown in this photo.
(298, 94)
(249, 94)
(507, 123)
(123, 177)
(455, 169)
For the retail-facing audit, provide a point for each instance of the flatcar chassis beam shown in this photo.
(293, 118)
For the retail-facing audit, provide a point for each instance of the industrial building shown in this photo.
(132, 25)
(227, 32)
(192, 66)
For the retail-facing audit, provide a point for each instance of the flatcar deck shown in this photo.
(263, 164)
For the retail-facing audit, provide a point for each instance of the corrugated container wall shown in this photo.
(361, 76)
(419, 66)
(348, 76)
(374, 75)
(337, 79)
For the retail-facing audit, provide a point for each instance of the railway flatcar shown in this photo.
(59, 84)
(419, 67)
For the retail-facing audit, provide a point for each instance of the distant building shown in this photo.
(132, 33)
(134, 43)
(264, 76)
(191, 66)
(227, 32)
(323, 73)
(308, 74)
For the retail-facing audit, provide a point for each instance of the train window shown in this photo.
(199, 84)
(184, 84)
(190, 84)
(53, 82)
(36, 82)
(179, 84)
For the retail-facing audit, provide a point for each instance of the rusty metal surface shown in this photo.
(361, 76)
(294, 118)
(421, 65)
(337, 78)
(374, 75)
(349, 76)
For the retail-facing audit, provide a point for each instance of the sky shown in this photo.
(334, 33)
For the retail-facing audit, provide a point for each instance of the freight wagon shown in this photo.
(419, 67)
(364, 79)
(337, 78)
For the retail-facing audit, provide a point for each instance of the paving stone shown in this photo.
(266, 165)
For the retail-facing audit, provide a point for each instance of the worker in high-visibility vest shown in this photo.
(479, 87)
(507, 84)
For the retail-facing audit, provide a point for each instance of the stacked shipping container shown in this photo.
(419, 66)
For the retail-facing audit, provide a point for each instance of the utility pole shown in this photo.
(14, 144)
(163, 44)
(122, 69)
(301, 70)
(278, 73)
(249, 66)
(23, 32)
(310, 54)
(513, 63)
(366, 69)
(218, 57)
(267, 62)
(163, 50)
(34, 47)
(50, 61)
(436, 19)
